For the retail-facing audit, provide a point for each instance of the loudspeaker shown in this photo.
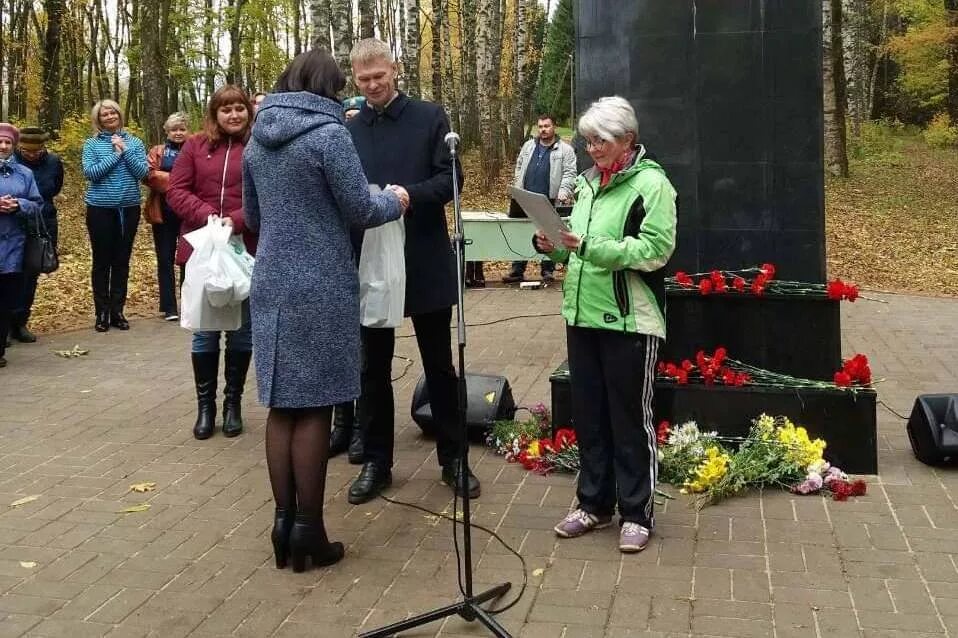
(488, 399)
(933, 428)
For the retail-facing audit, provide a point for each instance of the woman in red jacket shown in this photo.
(207, 180)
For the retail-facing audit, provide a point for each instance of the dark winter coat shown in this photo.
(304, 190)
(16, 180)
(405, 145)
(48, 173)
(206, 180)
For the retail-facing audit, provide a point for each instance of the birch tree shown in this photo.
(833, 84)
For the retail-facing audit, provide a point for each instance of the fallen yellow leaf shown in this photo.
(538, 572)
(490, 397)
(24, 500)
(142, 507)
(148, 486)
(27, 564)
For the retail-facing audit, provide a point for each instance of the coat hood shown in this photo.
(282, 117)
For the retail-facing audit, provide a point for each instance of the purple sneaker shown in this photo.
(580, 522)
(633, 538)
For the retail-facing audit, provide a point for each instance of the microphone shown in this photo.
(452, 141)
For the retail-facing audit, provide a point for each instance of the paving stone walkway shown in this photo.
(78, 432)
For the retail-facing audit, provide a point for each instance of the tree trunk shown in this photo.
(50, 95)
(470, 93)
(321, 17)
(342, 11)
(296, 19)
(952, 7)
(367, 18)
(436, 47)
(488, 45)
(833, 79)
(155, 70)
(234, 74)
(411, 47)
(856, 57)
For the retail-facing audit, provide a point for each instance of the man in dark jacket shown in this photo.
(48, 173)
(401, 141)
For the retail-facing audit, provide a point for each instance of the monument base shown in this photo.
(845, 420)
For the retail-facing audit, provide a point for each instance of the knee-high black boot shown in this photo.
(237, 364)
(205, 371)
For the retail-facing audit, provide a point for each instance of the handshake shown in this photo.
(402, 194)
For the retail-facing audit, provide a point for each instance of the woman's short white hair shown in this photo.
(95, 113)
(176, 119)
(609, 118)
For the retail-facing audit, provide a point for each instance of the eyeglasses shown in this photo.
(595, 143)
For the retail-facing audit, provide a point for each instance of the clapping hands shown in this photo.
(402, 194)
(118, 144)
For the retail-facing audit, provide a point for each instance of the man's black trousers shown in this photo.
(376, 405)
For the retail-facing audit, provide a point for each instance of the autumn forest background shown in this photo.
(891, 104)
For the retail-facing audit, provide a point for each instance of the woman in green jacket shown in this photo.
(622, 233)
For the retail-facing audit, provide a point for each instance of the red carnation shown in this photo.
(661, 367)
(858, 488)
(758, 285)
(687, 365)
(728, 376)
(843, 379)
(739, 284)
(682, 279)
(742, 378)
(841, 490)
(768, 270)
(662, 433)
(835, 290)
(720, 354)
(720, 286)
(850, 292)
(701, 359)
(682, 377)
(705, 286)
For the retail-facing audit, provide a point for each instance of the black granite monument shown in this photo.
(728, 95)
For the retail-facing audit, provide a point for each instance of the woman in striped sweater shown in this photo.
(114, 162)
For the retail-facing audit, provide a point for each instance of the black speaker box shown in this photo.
(488, 399)
(933, 428)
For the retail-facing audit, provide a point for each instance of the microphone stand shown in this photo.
(469, 607)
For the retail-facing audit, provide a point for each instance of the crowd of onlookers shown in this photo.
(298, 189)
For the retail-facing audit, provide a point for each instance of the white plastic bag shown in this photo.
(382, 276)
(209, 295)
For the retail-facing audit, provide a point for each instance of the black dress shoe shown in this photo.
(3, 362)
(450, 476)
(23, 334)
(372, 480)
(118, 321)
(513, 278)
(102, 322)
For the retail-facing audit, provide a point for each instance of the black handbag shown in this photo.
(39, 253)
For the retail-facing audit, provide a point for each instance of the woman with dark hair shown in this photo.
(305, 289)
(114, 162)
(207, 180)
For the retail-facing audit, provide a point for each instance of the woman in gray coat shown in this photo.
(303, 190)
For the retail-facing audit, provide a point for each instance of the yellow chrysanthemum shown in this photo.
(710, 471)
(533, 450)
(799, 448)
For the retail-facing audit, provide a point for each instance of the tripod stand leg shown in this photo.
(467, 609)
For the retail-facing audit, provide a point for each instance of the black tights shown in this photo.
(297, 449)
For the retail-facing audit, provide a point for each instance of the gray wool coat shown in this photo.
(303, 191)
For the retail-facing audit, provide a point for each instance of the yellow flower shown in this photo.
(799, 448)
(533, 450)
(765, 426)
(710, 471)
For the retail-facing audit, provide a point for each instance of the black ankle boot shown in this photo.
(308, 538)
(282, 526)
(237, 364)
(205, 371)
(343, 421)
(118, 321)
(102, 323)
(357, 451)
